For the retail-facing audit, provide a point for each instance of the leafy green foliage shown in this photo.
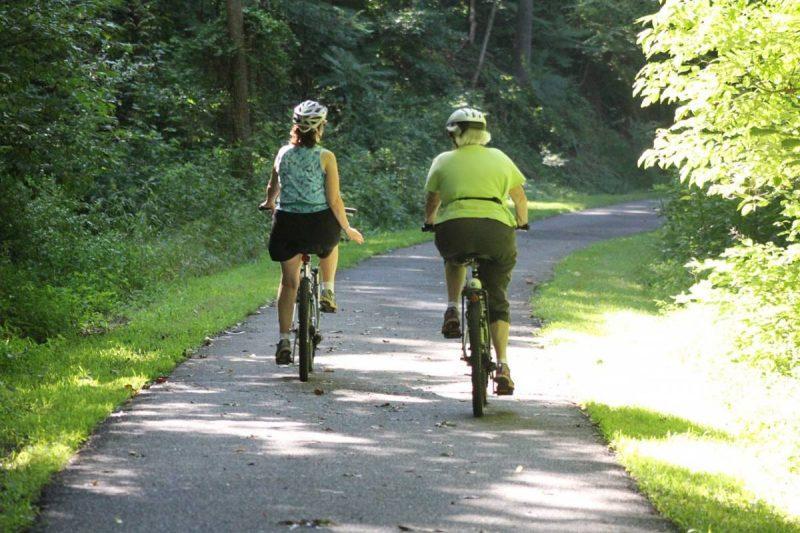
(115, 143)
(731, 67)
(757, 284)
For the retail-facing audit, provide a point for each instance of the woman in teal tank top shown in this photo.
(308, 216)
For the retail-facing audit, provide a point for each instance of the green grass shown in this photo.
(55, 394)
(52, 395)
(712, 443)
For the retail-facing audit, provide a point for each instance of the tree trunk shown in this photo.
(482, 57)
(241, 111)
(522, 44)
(473, 22)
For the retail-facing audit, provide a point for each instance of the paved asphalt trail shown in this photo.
(234, 443)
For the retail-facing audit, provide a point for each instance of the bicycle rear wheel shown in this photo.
(477, 348)
(304, 334)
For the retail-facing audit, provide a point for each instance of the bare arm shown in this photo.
(273, 190)
(432, 203)
(333, 195)
(520, 204)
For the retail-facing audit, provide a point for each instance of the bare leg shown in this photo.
(327, 266)
(499, 332)
(287, 292)
(454, 275)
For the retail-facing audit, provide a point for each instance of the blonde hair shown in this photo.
(471, 136)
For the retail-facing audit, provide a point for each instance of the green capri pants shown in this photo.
(495, 242)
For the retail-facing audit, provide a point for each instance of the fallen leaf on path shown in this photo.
(446, 424)
(518, 469)
(207, 341)
(387, 404)
(329, 370)
(319, 392)
(530, 281)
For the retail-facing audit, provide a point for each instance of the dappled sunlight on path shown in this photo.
(381, 436)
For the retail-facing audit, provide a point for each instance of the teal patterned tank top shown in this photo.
(302, 179)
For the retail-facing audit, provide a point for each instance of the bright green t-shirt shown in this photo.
(473, 171)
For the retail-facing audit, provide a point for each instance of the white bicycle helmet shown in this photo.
(469, 117)
(309, 115)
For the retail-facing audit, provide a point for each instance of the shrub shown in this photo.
(757, 284)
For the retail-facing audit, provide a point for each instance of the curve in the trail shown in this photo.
(380, 439)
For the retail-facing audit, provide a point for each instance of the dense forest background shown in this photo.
(136, 135)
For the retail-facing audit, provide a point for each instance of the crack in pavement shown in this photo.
(380, 439)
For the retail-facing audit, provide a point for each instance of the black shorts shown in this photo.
(297, 233)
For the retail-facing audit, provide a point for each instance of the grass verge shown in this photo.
(52, 395)
(714, 444)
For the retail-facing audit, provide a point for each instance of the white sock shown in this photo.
(328, 285)
(451, 304)
(287, 335)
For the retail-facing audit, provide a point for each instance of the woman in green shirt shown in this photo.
(466, 192)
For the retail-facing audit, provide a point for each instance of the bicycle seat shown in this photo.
(466, 259)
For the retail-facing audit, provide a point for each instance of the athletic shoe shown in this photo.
(503, 381)
(283, 354)
(327, 301)
(451, 327)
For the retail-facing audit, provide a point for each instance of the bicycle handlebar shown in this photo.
(347, 210)
(431, 228)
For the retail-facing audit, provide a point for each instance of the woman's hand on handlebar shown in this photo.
(428, 227)
(354, 235)
(266, 206)
(523, 227)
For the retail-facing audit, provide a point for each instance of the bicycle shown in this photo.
(475, 317)
(307, 315)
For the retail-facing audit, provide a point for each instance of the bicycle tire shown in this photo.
(477, 348)
(304, 339)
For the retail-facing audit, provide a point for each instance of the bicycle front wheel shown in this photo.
(477, 347)
(304, 335)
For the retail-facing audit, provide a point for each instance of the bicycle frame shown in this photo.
(474, 299)
(309, 278)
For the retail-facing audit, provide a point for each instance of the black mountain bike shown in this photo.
(475, 318)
